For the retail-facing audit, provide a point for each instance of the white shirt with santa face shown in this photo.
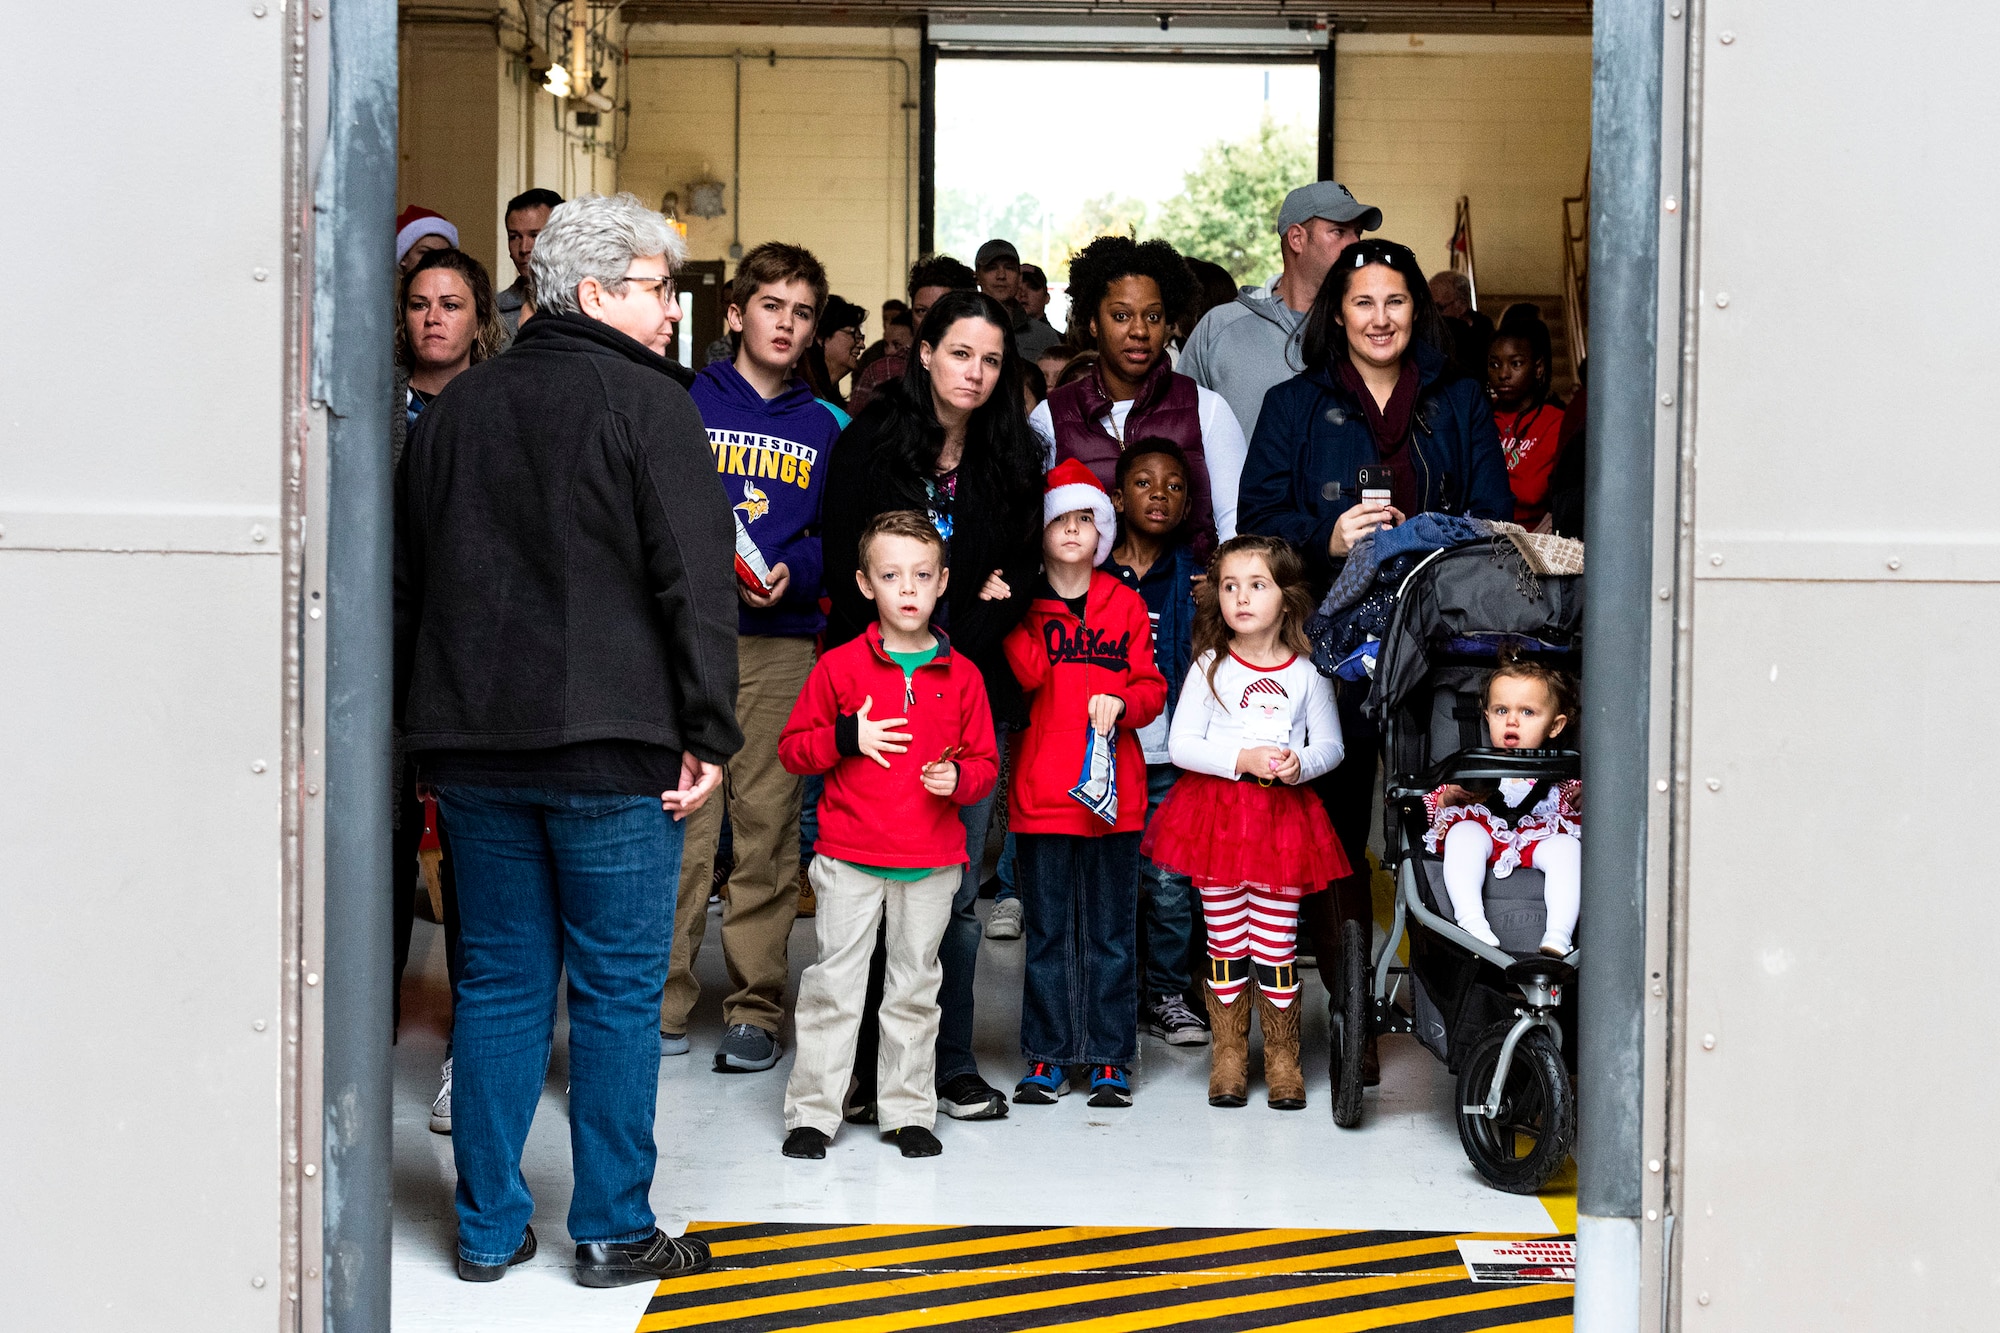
(1290, 706)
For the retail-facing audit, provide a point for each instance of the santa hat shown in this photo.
(1263, 685)
(413, 224)
(1072, 486)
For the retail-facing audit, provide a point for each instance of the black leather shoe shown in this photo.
(471, 1272)
(915, 1141)
(805, 1142)
(641, 1260)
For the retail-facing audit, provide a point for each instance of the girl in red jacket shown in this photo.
(900, 725)
(1084, 656)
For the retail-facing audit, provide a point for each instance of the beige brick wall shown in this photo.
(1422, 119)
(829, 153)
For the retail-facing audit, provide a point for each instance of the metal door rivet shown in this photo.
(313, 614)
(1661, 785)
(1672, 203)
(1666, 400)
(1703, 1298)
(257, 533)
(319, 13)
(311, 1170)
(1728, 38)
(1715, 784)
(258, 11)
(1674, 13)
(312, 789)
(258, 1025)
(1894, 563)
(312, 978)
(257, 1281)
(1708, 1041)
(259, 274)
(1657, 990)
(256, 765)
(1652, 1214)
(1722, 300)
(1715, 559)
(312, 1272)
(1653, 1165)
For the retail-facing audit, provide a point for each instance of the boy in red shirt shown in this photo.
(890, 839)
(1084, 656)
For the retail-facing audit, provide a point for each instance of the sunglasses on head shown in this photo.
(1380, 252)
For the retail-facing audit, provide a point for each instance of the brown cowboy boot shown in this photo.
(1229, 1045)
(1281, 1043)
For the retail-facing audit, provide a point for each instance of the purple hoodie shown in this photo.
(772, 460)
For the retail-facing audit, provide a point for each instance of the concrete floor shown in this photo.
(1170, 1159)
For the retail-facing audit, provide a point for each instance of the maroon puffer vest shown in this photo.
(1168, 407)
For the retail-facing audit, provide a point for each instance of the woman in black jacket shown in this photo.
(949, 439)
(1378, 391)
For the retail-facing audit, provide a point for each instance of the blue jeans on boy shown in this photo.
(549, 880)
(1080, 997)
(958, 952)
(1004, 872)
(815, 787)
(1166, 903)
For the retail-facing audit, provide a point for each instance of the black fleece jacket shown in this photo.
(563, 561)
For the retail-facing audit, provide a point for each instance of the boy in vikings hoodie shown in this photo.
(771, 439)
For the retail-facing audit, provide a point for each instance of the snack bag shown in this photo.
(750, 566)
(1097, 789)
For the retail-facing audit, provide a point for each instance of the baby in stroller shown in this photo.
(1515, 822)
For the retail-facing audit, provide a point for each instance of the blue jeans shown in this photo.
(549, 880)
(1080, 998)
(1004, 872)
(815, 787)
(1166, 903)
(959, 951)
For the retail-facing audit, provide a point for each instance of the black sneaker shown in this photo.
(641, 1260)
(915, 1141)
(805, 1143)
(746, 1049)
(1041, 1085)
(970, 1097)
(471, 1272)
(1169, 1018)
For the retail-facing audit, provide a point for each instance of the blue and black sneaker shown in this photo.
(1108, 1086)
(1042, 1085)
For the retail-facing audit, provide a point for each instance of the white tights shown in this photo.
(1468, 847)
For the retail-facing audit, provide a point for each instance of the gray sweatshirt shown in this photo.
(1243, 349)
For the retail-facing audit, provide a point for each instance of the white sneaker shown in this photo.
(441, 1108)
(1005, 922)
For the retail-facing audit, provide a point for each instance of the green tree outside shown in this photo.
(1227, 209)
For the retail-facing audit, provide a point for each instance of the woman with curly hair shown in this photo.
(1125, 297)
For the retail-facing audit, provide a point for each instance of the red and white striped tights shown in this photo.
(1250, 921)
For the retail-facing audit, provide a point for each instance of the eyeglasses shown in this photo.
(662, 287)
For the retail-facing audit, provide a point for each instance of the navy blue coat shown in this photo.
(1312, 438)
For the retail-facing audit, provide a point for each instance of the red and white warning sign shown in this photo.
(1519, 1261)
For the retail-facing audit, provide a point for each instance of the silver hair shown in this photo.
(1460, 285)
(597, 236)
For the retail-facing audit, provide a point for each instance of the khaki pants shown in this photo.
(832, 991)
(763, 804)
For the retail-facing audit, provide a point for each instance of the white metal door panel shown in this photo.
(1836, 1167)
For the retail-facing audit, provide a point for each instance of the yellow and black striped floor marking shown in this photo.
(787, 1278)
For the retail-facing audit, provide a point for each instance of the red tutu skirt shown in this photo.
(1221, 832)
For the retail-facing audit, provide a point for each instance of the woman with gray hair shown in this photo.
(566, 682)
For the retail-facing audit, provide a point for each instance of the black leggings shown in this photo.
(1348, 793)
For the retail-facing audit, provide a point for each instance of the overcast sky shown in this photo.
(1144, 123)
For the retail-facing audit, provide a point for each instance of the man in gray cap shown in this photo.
(998, 264)
(1243, 348)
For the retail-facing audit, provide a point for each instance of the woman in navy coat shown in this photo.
(1379, 391)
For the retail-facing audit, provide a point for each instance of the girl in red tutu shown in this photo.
(1254, 724)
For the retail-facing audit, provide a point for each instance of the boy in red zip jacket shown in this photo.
(1084, 656)
(890, 840)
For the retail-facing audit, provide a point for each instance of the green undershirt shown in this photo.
(905, 874)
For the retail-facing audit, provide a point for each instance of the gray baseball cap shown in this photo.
(996, 251)
(1329, 200)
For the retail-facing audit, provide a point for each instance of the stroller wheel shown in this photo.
(1350, 1025)
(1519, 1149)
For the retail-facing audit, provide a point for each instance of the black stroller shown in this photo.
(1500, 1018)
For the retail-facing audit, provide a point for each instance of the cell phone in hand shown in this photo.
(1375, 481)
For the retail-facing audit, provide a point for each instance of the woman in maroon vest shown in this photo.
(1124, 298)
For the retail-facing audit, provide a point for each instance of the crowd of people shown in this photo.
(796, 623)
